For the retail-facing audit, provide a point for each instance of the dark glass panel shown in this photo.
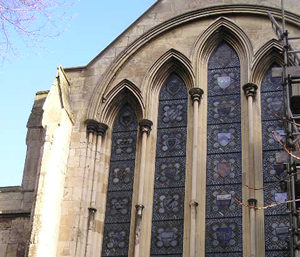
(120, 184)
(173, 89)
(223, 57)
(169, 186)
(224, 109)
(170, 172)
(172, 113)
(167, 238)
(224, 235)
(277, 236)
(272, 105)
(223, 173)
(224, 169)
(224, 81)
(269, 83)
(224, 138)
(276, 218)
(220, 201)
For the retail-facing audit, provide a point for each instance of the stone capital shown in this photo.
(145, 126)
(139, 209)
(250, 89)
(252, 202)
(101, 130)
(196, 94)
(91, 126)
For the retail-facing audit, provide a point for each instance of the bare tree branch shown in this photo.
(31, 21)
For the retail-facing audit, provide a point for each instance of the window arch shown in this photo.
(169, 184)
(120, 184)
(224, 175)
(276, 219)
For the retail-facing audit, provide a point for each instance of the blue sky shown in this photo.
(94, 25)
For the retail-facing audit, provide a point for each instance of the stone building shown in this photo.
(147, 150)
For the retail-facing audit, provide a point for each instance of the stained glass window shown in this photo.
(168, 202)
(120, 184)
(276, 219)
(223, 183)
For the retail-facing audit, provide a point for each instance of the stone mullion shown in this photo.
(196, 94)
(250, 92)
(81, 230)
(92, 209)
(87, 184)
(145, 128)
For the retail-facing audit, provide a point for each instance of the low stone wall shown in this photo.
(15, 207)
(14, 234)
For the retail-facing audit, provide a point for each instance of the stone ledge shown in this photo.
(14, 214)
(13, 189)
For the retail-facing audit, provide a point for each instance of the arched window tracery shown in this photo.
(224, 174)
(120, 184)
(169, 183)
(276, 219)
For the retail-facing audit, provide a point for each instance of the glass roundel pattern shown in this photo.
(223, 183)
(276, 219)
(120, 184)
(168, 202)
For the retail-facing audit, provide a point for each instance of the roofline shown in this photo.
(262, 7)
(80, 68)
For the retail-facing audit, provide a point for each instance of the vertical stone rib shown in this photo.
(250, 92)
(196, 94)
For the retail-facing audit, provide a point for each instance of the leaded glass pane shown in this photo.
(223, 180)
(120, 184)
(169, 185)
(276, 218)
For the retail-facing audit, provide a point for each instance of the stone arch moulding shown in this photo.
(170, 62)
(95, 100)
(124, 92)
(221, 29)
(264, 58)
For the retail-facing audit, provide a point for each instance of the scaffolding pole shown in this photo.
(290, 77)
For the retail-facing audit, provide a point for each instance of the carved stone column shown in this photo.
(145, 128)
(196, 94)
(95, 132)
(250, 92)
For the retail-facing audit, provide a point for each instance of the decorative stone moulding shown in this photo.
(96, 127)
(145, 125)
(196, 93)
(91, 126)
(250, 89)
(101, 130)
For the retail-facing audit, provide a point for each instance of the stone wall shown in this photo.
(14, 234)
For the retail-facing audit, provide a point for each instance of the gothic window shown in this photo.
(169, 185)
(120, 184)
(276, 219)
(224, 175)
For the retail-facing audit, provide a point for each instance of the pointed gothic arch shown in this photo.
(268, 54)
(222, 29)
(124, 92)
(170, 62)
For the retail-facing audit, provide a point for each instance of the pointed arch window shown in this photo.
(120, 184)
(169, 184)
(223, 183)
(276, 219)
